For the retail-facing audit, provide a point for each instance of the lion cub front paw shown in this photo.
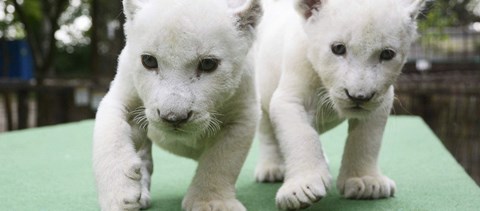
(124, 191)
(269, 172)
(366, 187)
(302, 191)
(190, 204)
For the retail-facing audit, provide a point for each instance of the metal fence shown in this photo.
(446, 50)
(449, 102)
(441, 83)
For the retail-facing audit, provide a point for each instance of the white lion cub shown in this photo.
(183, 82)
(321, 62)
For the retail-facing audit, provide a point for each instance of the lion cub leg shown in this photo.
(360, 176)
(146, 170)
(307, 177)
(270, 167)
(116, 163)
(213, 186)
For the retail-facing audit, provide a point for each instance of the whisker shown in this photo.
(213, 125)
(401, 105)
(325, 106)
(137, 116)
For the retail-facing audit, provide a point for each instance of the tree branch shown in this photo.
(53, 17)
(31, 34)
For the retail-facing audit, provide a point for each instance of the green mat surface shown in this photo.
(50, 169)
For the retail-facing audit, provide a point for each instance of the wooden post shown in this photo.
(23, 111)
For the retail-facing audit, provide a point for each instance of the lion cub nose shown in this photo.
(359, 98)
(176, 119)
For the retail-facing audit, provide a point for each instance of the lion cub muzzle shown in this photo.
(175, 119)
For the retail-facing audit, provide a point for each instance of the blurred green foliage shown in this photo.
(72, 58)
(437, 16)
(73, 64)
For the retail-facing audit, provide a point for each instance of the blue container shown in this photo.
(20, 61)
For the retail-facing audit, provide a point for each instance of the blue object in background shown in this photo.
(20, 60)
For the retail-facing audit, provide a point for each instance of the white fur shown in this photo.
(222, 103)
(302, 87)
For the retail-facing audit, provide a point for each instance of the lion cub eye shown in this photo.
(149, 61)
(208, 64)
(339, 49)
(387, 54)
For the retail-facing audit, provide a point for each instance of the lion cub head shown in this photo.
(358, 48)
(187, 58)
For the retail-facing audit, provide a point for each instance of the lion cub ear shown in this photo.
(306, 8)
(246, 12)
(131, 7)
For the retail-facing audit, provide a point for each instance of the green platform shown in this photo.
(50, 169)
